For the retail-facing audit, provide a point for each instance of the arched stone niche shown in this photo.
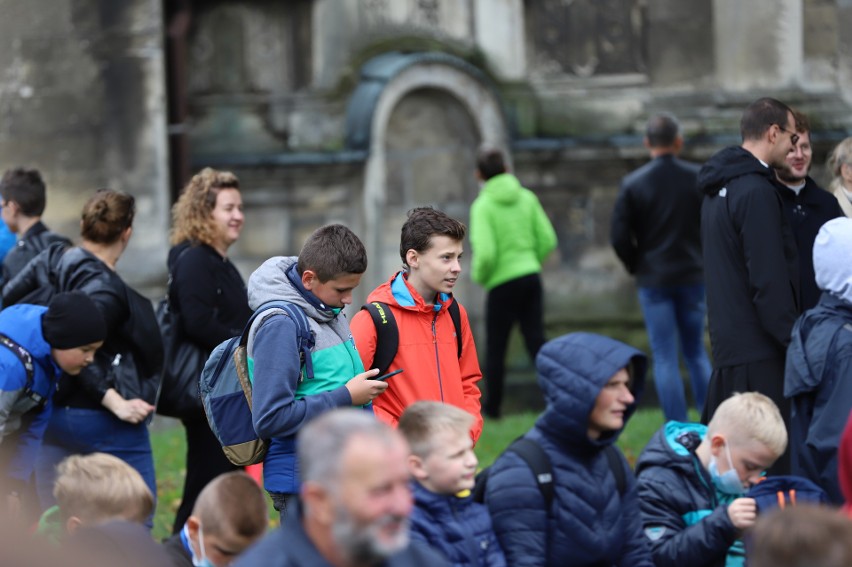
(421, 117)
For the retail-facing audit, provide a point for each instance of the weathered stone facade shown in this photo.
(355, 111)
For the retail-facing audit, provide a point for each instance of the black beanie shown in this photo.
(72, 320)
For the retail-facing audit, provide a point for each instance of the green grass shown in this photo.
(170, 449)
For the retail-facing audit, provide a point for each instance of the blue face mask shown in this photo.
(728, 482)
(202, 561)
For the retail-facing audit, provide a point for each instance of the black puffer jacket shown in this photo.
(751, 265)
(132, 355)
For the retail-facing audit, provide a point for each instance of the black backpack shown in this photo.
(538, 461)
(387, 332)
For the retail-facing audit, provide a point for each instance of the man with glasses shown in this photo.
(808, 208)
(751, 263)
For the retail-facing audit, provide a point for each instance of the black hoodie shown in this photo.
(750, 259)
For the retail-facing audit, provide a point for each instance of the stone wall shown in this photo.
(82, 98)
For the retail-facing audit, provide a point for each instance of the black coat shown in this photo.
(655, 228)
(807, 212)
(36, 239)
(751, 265)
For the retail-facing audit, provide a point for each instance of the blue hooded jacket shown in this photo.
(590, 522)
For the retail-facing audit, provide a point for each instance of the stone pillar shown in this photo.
(844, 49)
(500, 34)
(758, 44)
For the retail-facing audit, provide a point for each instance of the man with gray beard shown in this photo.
(354, 501)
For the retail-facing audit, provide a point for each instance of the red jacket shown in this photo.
(844, 465)
(427, 353)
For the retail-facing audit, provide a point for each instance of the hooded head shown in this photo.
(573, 372)
(833, 258)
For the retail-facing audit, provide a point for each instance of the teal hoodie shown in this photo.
(510, 234)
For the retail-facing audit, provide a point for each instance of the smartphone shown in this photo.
(388, 375)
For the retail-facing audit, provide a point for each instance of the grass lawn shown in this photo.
(170, 450)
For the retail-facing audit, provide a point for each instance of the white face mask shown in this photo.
(202, 561)
(728, 482)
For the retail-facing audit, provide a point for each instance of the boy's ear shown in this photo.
(73, 524)
(717, 442)
(416, 468)
(411, 258)
(308, 279)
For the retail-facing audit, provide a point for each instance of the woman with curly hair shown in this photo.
(209, 295)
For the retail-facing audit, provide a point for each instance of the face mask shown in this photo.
(203, 561)
(728, 482)
(336, 310)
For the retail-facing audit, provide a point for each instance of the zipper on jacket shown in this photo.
(437, 358)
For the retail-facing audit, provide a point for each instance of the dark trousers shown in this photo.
(766, 377)
(519, 300)
(205, 460)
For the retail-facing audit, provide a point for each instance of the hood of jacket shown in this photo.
(277, 280)
(810, 342)
(504, 189)
(673, 446)
(22, 324)
(572, 371)
(833, 258)
(727, 165)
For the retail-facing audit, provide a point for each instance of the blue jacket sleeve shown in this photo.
(276, 372)
(673, 542)
(517, 511)
(635, 552)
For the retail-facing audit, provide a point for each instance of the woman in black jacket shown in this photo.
(209, 295)
(106, 407)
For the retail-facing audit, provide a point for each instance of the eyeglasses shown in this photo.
(793, 136)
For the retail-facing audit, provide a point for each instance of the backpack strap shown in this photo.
(387, 334)
(305, 338)
(27, 360)
(455, 315)
(538, 461)
(614, 460)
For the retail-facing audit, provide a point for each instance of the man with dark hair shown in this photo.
(510, 236)
(750, 258)
(355, 500)
(655, 232)
(420, 298)
(23, 201)
(808, 207)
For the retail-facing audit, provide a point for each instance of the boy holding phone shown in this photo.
(419, 296)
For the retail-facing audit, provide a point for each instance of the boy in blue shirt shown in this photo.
(443, 466)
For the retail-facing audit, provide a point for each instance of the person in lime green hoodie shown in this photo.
(510, 236)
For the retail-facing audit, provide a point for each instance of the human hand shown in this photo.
(131, 411)
(363, 389)
(743, 512)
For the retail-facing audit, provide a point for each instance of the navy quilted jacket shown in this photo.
(589, 522)
(457, 527)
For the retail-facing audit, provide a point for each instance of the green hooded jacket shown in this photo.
(510, 234)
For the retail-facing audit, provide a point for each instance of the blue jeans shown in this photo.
(672, 312)
(81, 431)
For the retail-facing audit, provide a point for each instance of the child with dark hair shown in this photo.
(420, 299)
(320, 281)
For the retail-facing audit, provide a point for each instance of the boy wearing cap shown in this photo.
(818, 373)
(36, 345)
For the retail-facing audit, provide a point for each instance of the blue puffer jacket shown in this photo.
(456, 526)
(685, 518)
(818, 380)
(21, 424)
(589, 522)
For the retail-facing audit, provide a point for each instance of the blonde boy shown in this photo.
(692, 480)
(443, 465)
(96, 488)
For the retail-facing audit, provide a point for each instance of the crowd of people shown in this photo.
(368, 470)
